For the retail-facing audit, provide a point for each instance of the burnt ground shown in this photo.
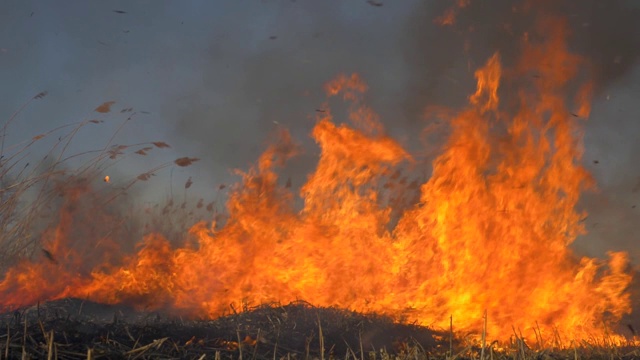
(80, 329)
(73, 328)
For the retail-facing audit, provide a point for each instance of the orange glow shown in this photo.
(490, 232)
(449, 16)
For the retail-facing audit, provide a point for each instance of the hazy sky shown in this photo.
(214, 76)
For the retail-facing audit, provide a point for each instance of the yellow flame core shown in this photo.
(489, 233)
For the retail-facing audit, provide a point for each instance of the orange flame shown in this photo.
(490, 231)
(449, 16)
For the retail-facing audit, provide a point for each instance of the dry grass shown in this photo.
(70, 328)
(30, 190)
(77, 329)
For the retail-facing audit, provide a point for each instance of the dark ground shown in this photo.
(296, 331)
(80, 329)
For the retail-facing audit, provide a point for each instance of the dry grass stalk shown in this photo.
(321, 338)
(306, 348)
(50, 346)
(361, 347)
(24, 340)
(484, 336)
(27, 189)
(275, 346)
(141, 350)
(239, 344)
(6, 347)
(255, 346)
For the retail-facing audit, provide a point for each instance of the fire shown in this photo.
(449, 16)
(489, 232)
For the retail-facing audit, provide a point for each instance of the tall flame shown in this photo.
(490, 231)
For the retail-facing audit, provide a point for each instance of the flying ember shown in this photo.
(489, 231)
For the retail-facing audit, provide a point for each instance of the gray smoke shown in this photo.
(252, 78)
(254, 81)
(605, 32)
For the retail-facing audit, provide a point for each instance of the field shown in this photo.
(344, 266)
(79, 329)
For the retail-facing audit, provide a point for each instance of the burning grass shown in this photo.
(487, 237)
(32, 192)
